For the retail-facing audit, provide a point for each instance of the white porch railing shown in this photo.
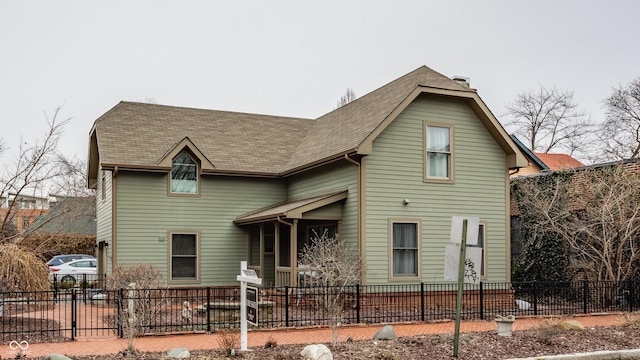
(283, 276)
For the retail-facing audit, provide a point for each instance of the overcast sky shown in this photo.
(295, 58)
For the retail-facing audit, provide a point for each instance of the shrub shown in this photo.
(229, 340)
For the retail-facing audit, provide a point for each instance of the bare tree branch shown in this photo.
(348, 97)
(332, 267)
(550, 120)
(620, 133)
(596, 214)
(32, 171)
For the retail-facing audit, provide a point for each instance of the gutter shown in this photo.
(360, 219)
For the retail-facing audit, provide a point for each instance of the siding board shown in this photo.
(394, 172)
(336, 176)
(146, 215)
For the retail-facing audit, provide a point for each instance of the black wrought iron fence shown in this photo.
(86, 310)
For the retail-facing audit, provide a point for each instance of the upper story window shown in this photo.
(184, 174)
(438, 153)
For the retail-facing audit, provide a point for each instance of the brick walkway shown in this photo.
(111, 345)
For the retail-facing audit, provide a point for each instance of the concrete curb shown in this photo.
(598, 355)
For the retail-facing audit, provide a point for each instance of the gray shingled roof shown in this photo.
(139, 135)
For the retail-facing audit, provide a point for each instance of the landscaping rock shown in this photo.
(386, 333)
(571, 325)
(316, 352)
(178, 353)
(55, 356)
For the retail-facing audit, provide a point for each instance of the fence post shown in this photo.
(55, 286)
(73, 314)
(120, 316)
(208, 310)
(481, 303)
(535, 297)
(83, 286)
(422, 310)
(585, 291)
(286, 305)
(358, 303)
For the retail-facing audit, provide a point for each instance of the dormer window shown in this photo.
(184, 174)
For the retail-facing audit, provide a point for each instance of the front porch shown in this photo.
(277, 234)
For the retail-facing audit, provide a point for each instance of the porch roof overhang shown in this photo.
(291, 209)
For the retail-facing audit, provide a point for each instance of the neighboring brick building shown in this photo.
(25, 211)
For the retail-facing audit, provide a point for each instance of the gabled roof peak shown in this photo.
(137, 135)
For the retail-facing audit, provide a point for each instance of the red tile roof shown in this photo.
(558, 161)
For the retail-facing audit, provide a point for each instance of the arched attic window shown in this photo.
(184, 174)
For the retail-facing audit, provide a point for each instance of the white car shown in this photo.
(74, 271)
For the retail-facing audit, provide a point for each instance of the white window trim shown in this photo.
(432, 179)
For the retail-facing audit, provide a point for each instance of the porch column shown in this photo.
(262, 250)
(293, 280)
(276, 248)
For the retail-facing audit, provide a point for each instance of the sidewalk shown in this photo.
(112, 345)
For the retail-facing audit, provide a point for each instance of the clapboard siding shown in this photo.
(332, 177)
(395, 172)
(147, 214)
(104, 215)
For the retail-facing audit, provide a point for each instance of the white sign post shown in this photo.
(246, 276)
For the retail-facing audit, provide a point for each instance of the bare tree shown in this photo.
(145, 297)
(620, 133)
(348, 97)
(332, 268)
(73, 180)
(27, 179)
(597, 214)
(550, 121)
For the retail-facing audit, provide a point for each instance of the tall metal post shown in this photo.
(461, 265)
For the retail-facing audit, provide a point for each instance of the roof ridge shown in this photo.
(175, 107)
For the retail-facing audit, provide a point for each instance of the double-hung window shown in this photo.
(184, 256)
(405, 249)
(184, 174)
(481, 244)
(438, 153)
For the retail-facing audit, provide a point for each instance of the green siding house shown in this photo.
(194, 192)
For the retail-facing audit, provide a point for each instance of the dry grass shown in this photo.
(22, 270)
(229, 340)
(631, 319)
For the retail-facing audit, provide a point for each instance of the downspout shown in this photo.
(360, 219)
(114, 223)
(508, 226)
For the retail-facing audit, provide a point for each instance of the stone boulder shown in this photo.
(55, 356)
(179, 353)
(316, 352)
(386, 333)
(571, 325)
